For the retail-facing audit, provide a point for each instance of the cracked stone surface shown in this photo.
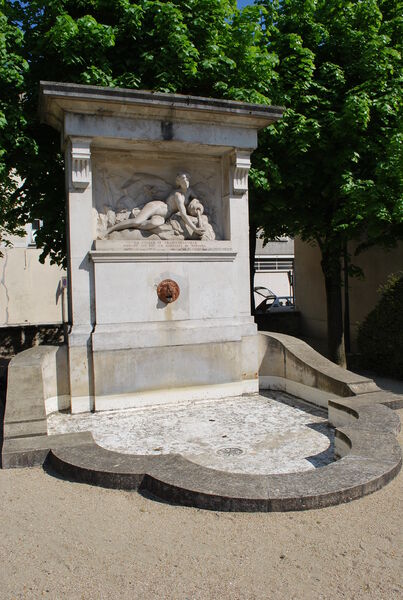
(269, 433)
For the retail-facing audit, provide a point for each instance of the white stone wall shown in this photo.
(30, 292)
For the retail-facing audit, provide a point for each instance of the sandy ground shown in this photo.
(65, 540)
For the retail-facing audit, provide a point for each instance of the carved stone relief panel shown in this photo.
(150, 196)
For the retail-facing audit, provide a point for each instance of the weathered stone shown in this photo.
(33, 451)
(289, 359)
(126, 150)
(366, 442)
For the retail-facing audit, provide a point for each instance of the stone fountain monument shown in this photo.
(158, 251)
(157, 203)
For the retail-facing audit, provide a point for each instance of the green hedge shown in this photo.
(380, 336)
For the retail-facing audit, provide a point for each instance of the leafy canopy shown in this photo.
(331, 169)
(200, 47)
(13, 68)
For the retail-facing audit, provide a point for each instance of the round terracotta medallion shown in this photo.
(168, 291)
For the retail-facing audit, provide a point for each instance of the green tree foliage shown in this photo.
(12, 124)
(331, 170)
(380, 340)
(200, 47)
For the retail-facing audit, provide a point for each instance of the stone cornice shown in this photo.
(162, 256)
(57, 98)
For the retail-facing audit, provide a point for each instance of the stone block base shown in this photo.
(171, 396)
(146, 376)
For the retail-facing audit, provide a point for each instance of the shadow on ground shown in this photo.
(3, 390)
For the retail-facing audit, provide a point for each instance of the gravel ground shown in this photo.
(65, 540)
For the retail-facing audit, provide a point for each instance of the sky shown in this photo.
(242, 3)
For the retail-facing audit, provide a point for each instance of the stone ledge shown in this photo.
(110, 100)
(164, 256)
(366, 412)
(33, 376)
(290, 358)
(365, 443)
(25, 429)
(176, 479)
(370, 458)
(33, 451)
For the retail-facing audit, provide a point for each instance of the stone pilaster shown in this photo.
(81, 282)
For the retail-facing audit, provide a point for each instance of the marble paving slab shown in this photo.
(269, 433)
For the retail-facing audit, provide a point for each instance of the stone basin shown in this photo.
(259, 434)
(277, 455)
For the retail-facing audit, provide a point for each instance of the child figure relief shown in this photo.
(180, 216)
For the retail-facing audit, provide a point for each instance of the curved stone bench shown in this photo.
(365, 442)
(371, 458)
(289, 364)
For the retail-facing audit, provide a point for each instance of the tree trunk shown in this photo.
(347, 336)
(335, 331)
(252, 252)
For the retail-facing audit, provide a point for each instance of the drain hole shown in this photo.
(230, 451)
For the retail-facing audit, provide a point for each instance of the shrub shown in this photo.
(380, 336)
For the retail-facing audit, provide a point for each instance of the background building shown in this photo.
(31, 293)
(274, 266)
(377, 265)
